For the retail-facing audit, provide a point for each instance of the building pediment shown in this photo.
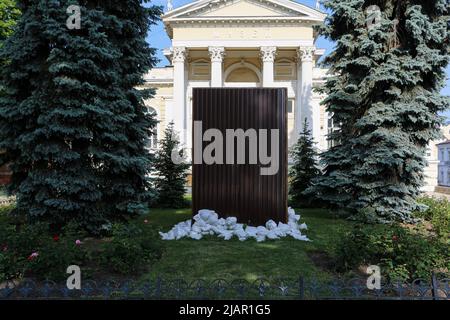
(242, 10)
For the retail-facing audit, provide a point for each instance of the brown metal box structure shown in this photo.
(240, 190)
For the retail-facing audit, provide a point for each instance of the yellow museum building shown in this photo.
(246, 43)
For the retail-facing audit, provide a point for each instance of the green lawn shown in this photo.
(212, 258)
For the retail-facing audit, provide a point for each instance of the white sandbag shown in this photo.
(207, 222)
(283, 227)
(226, 235)
(272, 235)
(204, 214)
(271, 225)
(251, 231)
(241, 234)
(213, 219)
(293, 225)
(231, 221)
(195, 236)
(261, 231)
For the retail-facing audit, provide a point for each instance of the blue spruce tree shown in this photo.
(303, 170)
(389, 66)
(72, 122)
(170, 177)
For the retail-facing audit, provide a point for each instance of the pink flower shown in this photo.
(78, 243)
(145, 221)
(33, 256)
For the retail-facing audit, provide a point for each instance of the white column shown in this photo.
(268, 57)
(179, 91)
(304, 109)
(217, 54)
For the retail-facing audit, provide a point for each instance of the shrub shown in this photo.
(31, 250)
(130, 249)
(438, 214)
(35, 251)
(400, 253)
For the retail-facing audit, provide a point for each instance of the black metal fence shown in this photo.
(286, 289)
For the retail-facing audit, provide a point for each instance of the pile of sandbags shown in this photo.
(207, 222)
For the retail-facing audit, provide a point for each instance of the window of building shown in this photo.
(201, 69)
(332, 127)
(290, 108)
(153, 141)
(285, 70)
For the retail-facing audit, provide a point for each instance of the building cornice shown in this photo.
(190, 14)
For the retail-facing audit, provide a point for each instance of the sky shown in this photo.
(159, 39)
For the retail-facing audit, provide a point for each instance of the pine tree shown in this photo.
(171, 176)
(386, 98)
(72, 123)
(304, 168)
(9, 14)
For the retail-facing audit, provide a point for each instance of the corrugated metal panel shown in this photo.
(233, 189)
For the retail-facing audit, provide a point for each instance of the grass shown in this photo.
(213, 258)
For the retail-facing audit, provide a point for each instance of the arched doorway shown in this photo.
(242, 74)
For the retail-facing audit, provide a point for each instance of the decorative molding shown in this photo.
(216, 53)
(268, 54)
(179, 54)
(291, 8)
(247, 43)
(305, 54)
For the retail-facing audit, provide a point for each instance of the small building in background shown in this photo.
(444, 165)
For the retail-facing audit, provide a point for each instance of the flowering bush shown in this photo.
(30, 250)
(39, 252)
(401, 254)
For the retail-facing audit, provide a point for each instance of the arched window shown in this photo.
(242, 72)
(153, 142)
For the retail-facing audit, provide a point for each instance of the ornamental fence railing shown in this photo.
(437, 288)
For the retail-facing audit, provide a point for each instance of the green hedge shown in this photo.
(402, 254)
(438, 214)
